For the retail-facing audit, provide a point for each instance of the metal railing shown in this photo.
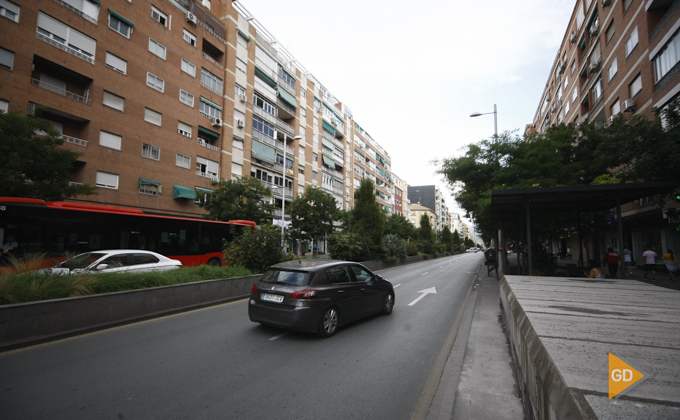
(60, 91)
(210, 88)
(331, 171)
(73, 140)
(284, 83)
(204, 143)
(212, 60)
(211, 31)
(264, 115)
(273, 142)
(77, 11)
(66, 48)
(287, 128)
(207, 175)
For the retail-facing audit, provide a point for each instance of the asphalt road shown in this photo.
(214, 363)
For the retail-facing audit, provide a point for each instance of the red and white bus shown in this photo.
(59, 228)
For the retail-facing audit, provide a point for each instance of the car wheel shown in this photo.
(388, 304)
(215, 262)
(329, 323)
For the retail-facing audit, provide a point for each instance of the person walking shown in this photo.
(671, 261)
(649, 257)
(628, 259)
(612, 258)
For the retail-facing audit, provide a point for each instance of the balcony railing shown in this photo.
(331, 171)
(212, 60)
(272, 142)
(66, 48)
(77, 11)
(290, 88)
(73, 140)
(276, 189)
(210, 88)
(211, 31)
(204, 143)
(264, 115)
(285, 127)
(208, 175)
(60, 91)
(332, 139)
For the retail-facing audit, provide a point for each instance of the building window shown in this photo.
(110, 140)
(207, 110)
(237, 143)
(189, 37)
(9, 10)
(610, 32)
(566, 109)
(597, 91)
(151, 152)
(183, 161)
(114, 101)
(263, 127)
(206, 3)
(667, 58)
(210, 81)
(155, 82)
(574, 95)
(74, 42)
(615, 108)
(206, 167)
(156, 48)
(159, 16)
(242, 41)
(152, 116)
(188, 68)
(315, 157)
(184, 129)
(626, 5)
(636, 86)
(240, 91)
(107, 180)
(268, 107)
(4, 106)
(186, 98)
(241, 65)
(303, 93)
(314, 174)
(116, 63)
(119, 25)
(631, 42)
(612, 70)
(149, 188)
(6, 59)
(315, 138)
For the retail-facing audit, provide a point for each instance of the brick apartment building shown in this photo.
(163, 98)
(617, 56)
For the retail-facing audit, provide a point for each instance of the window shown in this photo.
(566, 82)
(667, 58)
(6, 58)
(186, 98)
(566, 108)
(264, 127)
(183, 161)
(573, 66)
(156, 48)
(316, 121)
(631, 42)
(315, 157)
(188, 68)
(303, 93)
(119, 25)
(4, 106)
(239, 90)
(155, 82)
(597, 91)
(241, 65)
(314, 173)
(610, 32)
(615, 108)
(116, 63)
(210, 81)
(107, 180)
(242, 41)
(238, 115)
(315, 138)
(9, 10)
(114, 101)
(626, 4)
(574, 95)
(612, 70)
(110, 140)
(636, 86)
(76, 43)
(268, 107)
(208, 109)
(159, 16)
(206, 3)
(152, 116)
(151, 152)
(238, 143)
(207, 167)
(189, 37)
(184, 129)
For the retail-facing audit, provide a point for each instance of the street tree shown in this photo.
(446, 238)
(397, 224)
(33, 164)
(241, 198)
(366, 218)
(313, 214)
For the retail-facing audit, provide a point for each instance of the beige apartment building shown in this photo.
(164, 98)
(416, 212)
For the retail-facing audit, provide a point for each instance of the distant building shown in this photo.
(417, 211)
(431, 197)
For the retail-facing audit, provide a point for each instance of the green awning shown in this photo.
(122, 18)
(339, 180)
(268, 80)
(144, 181)
(243, 34)
(204, 190)
(211, 103)
(328, 143)
(329, 127)
(183, 192)
(287, 97)
(288, 72)
(96, 1)
(264, 152)
(208, 132)
(328, 161)
(362, 155)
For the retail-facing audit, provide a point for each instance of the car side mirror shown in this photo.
(101, 266)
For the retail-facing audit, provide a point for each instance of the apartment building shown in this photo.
(164, 98)
(616, 56)
(401, 203)
(431, 197)
(417, 211)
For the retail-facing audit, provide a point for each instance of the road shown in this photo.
(214, 363)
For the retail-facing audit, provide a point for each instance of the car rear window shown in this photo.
(291, 278)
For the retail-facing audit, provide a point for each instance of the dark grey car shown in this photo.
(318, 295)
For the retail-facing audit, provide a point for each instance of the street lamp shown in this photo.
(495, 120)
(283, 194)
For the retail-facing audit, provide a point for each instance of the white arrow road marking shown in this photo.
(394, 287)
(277, 336)
(424, 273)
(424, 293)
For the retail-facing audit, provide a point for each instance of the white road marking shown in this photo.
(394, 287)
(277, 336)
(424, 293)
(425, 273)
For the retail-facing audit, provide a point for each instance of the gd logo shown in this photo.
(621, 376)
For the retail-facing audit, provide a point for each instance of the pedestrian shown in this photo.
(671, 261)
(316, 251)
(611, 258)
(628, 259)
(649, 257)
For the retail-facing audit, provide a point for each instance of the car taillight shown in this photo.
(254, 289)
(304, 294)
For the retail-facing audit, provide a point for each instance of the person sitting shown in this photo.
(10, 245)
(595, 271)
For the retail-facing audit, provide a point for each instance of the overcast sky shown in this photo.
(413, 72)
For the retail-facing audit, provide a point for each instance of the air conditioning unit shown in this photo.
(242, 97)
(629, 105)
(192, 18)
(216, 122)
(240, 123)
(572, 38)
(606, 3)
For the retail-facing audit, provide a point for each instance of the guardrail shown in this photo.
(60, 91)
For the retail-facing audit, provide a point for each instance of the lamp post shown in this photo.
(283, 194)
(495, 119)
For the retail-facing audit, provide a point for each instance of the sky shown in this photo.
(413, 72)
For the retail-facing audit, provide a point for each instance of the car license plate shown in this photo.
(272, 298)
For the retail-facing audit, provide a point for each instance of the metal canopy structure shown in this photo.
(575, 199)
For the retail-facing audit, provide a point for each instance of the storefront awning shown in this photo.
(183, 192)
(287, 97)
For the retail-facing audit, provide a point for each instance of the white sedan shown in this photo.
(116, 261)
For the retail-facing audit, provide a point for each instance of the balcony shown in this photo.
(60, 91)
(272, 142)
(266, 69)
(204, 143)
(265, 115)
(332, 139)
(265, 90)
(331, 171)
(285, 127)
(213, 177)
(276, 189)
(212, 60)
(284, 83)
(66, 48)
(73, 140)
(286, 106)
(77, 11)
(210, 88)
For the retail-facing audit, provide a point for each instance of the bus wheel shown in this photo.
(215, 262)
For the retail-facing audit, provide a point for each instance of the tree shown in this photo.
(397, 224)
(446, 238)
(425, 230)
(33, 165)
(241, 198)
(366, 218)
(313, 214)
(394, 246)
(255, 249)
